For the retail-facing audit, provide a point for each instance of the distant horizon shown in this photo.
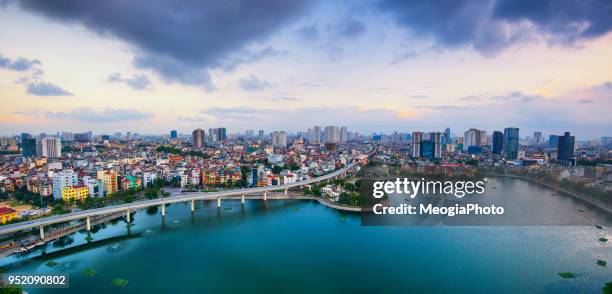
(289, 132)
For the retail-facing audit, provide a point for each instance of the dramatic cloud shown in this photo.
(179, 41)
(136, 82)
(252, 83)
(19, 64)
(489, 26)
(87, 114)
(46, 89)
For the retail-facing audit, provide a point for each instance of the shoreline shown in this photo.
(586, 198)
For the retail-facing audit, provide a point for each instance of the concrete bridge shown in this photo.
(184, 197)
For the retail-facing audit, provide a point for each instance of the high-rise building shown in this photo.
(498, 142)
(261, 135)
(249, 134)
(416, 144)
(28, 147)
(446, 138)
(436, 139)
(428, 145)
(553, 142)
(314, 134)
(566, 148)
(473, 138)
(66, 178)
(221, 134)
(173, 134)
(49, 147)
(511, 143)
(343, 134)
(198, 138)
(279, 139)
(332, 134)
(606, 141)
(537, 138)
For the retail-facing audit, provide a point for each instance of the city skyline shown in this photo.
(371, 65)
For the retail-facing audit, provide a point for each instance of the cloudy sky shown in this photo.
(376, 66)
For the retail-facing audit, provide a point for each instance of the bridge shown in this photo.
(184, 197)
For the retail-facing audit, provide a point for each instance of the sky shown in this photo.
(150, 66)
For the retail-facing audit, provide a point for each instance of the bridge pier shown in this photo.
(218, 202)
(242, 199)
(163, 207)
(286, 191)
(192, 205)
(265, 195)
(88, 221)
(127, 216)
(42, 232)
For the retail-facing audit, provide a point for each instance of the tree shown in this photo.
(277, 170)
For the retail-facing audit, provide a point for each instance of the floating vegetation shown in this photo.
(602, 262)
(296, 209)
(599, 227)
(580, 209)
(227, 208)
(51, 263)
(120, 282)
(89, 238)
(567, 275)
(89, 272)
(602, 239)
(607, 289)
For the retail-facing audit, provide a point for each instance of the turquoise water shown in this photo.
(304, 247)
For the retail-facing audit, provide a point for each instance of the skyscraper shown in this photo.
(498, 142)
(446, 139)
(49, 147)
(553, 142)
(173, 134)
(537, 138)
(198, 138)
(314, 134)
(473, 137)
(343, 134)
(28, 147)
(416, 144)
(261, 135)
(511, 140)
(332, 134)
(566, 148)
(221, 134)
(279, 139)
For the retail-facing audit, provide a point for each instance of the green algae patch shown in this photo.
(120, 282)
(51, 263)
(602, 239)
(89, 272)
(602, 262)
(567, 275)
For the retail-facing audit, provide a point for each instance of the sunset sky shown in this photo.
(150, 66)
